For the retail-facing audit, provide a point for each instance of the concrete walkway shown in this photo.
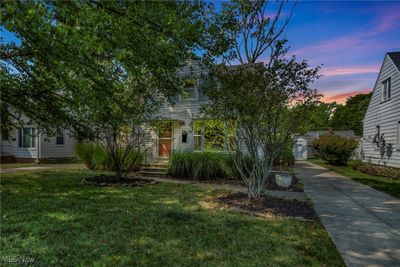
(363, 222)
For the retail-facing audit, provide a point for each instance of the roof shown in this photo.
(395, 56)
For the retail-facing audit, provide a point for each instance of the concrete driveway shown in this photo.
(363, 222)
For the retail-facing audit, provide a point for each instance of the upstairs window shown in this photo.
(26, 137)
(189, 94)
(386, 89)
(60, 138)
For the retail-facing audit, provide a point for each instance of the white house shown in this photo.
(27, 144)
(381, 139)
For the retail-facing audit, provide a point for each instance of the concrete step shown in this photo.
(152, 168)
(155, 164)
(153, 174)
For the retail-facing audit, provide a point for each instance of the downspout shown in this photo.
(39, 150)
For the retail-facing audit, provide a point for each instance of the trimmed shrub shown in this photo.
(286, 156)
(96, 158)
(334, 149)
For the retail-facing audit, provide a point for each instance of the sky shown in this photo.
(348, 40)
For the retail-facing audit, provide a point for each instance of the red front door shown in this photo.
(165, 140)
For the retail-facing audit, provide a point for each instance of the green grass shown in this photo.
(389, 186)
(16, 165)
(52, 217)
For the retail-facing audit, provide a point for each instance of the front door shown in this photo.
(165, 140)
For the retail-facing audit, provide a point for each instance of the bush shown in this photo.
(201, 166)
(376, 170)
(96, 158)
(287, 157)
(334, 149)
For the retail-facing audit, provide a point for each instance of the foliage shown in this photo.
(212, 132)
(351, 115)
(334, 149)
(285, 156)
(264, 103)
(201, 166)
(70, 56)
(319, 117)
(95, 157)
(130, 226)
(387, 185)
(377, 170)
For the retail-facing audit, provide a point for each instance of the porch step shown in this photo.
(153, 174)
(159, 168)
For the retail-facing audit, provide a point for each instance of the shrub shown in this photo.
(376, 170)
(287, 157)
(201, 165)
(334, 149)
(96, 158)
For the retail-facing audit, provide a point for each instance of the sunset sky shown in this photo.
(350, 39)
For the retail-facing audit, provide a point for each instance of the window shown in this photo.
(198, 139)
(60, 138)
(184, 136)
(189, 94)
(386, 89)
(26, 137)
(398, 135)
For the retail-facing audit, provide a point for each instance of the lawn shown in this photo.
(389, 186)
(16, 165)
(52, 217)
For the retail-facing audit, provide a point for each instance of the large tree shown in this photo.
(266, 97)
(61, 56)
(319, 118)
(350, 116)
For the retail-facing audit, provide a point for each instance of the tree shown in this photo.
(264, 102)
(56, 64)
(350, 116)
(319, 117)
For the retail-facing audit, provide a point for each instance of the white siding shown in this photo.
(49, 148)
(11, 146)
(386, 115)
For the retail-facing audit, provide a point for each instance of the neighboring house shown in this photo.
(26, 144)
(381, 139)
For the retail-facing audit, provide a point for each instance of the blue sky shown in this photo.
(349, 40)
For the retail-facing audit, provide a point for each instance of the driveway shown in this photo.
(363, 222)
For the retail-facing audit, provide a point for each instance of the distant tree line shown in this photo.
(347, 116)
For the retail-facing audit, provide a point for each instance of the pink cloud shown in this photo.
(349, 70)
(341, 98)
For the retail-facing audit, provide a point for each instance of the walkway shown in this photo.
(363, 222)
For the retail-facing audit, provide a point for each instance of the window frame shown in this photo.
(21, 138)
(60, 134)
(398, 136)
(184, 95)
(386, 90)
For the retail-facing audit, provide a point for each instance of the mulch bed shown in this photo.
(271, 184)
(270, 205)
(108, 180)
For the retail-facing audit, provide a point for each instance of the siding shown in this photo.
(11, 146)
(386, 115)
(49, 148)
(183, 114)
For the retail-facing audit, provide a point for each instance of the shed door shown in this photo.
(300, 150)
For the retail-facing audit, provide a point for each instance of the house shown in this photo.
(27, 144)
(179, 131)
(381, 139)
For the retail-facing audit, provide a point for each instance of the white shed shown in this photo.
(300, 149)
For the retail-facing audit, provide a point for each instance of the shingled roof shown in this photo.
(395, 56)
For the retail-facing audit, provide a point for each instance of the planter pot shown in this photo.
(283, 179)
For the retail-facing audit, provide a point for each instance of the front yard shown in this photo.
(389, 186)
(53, 218)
